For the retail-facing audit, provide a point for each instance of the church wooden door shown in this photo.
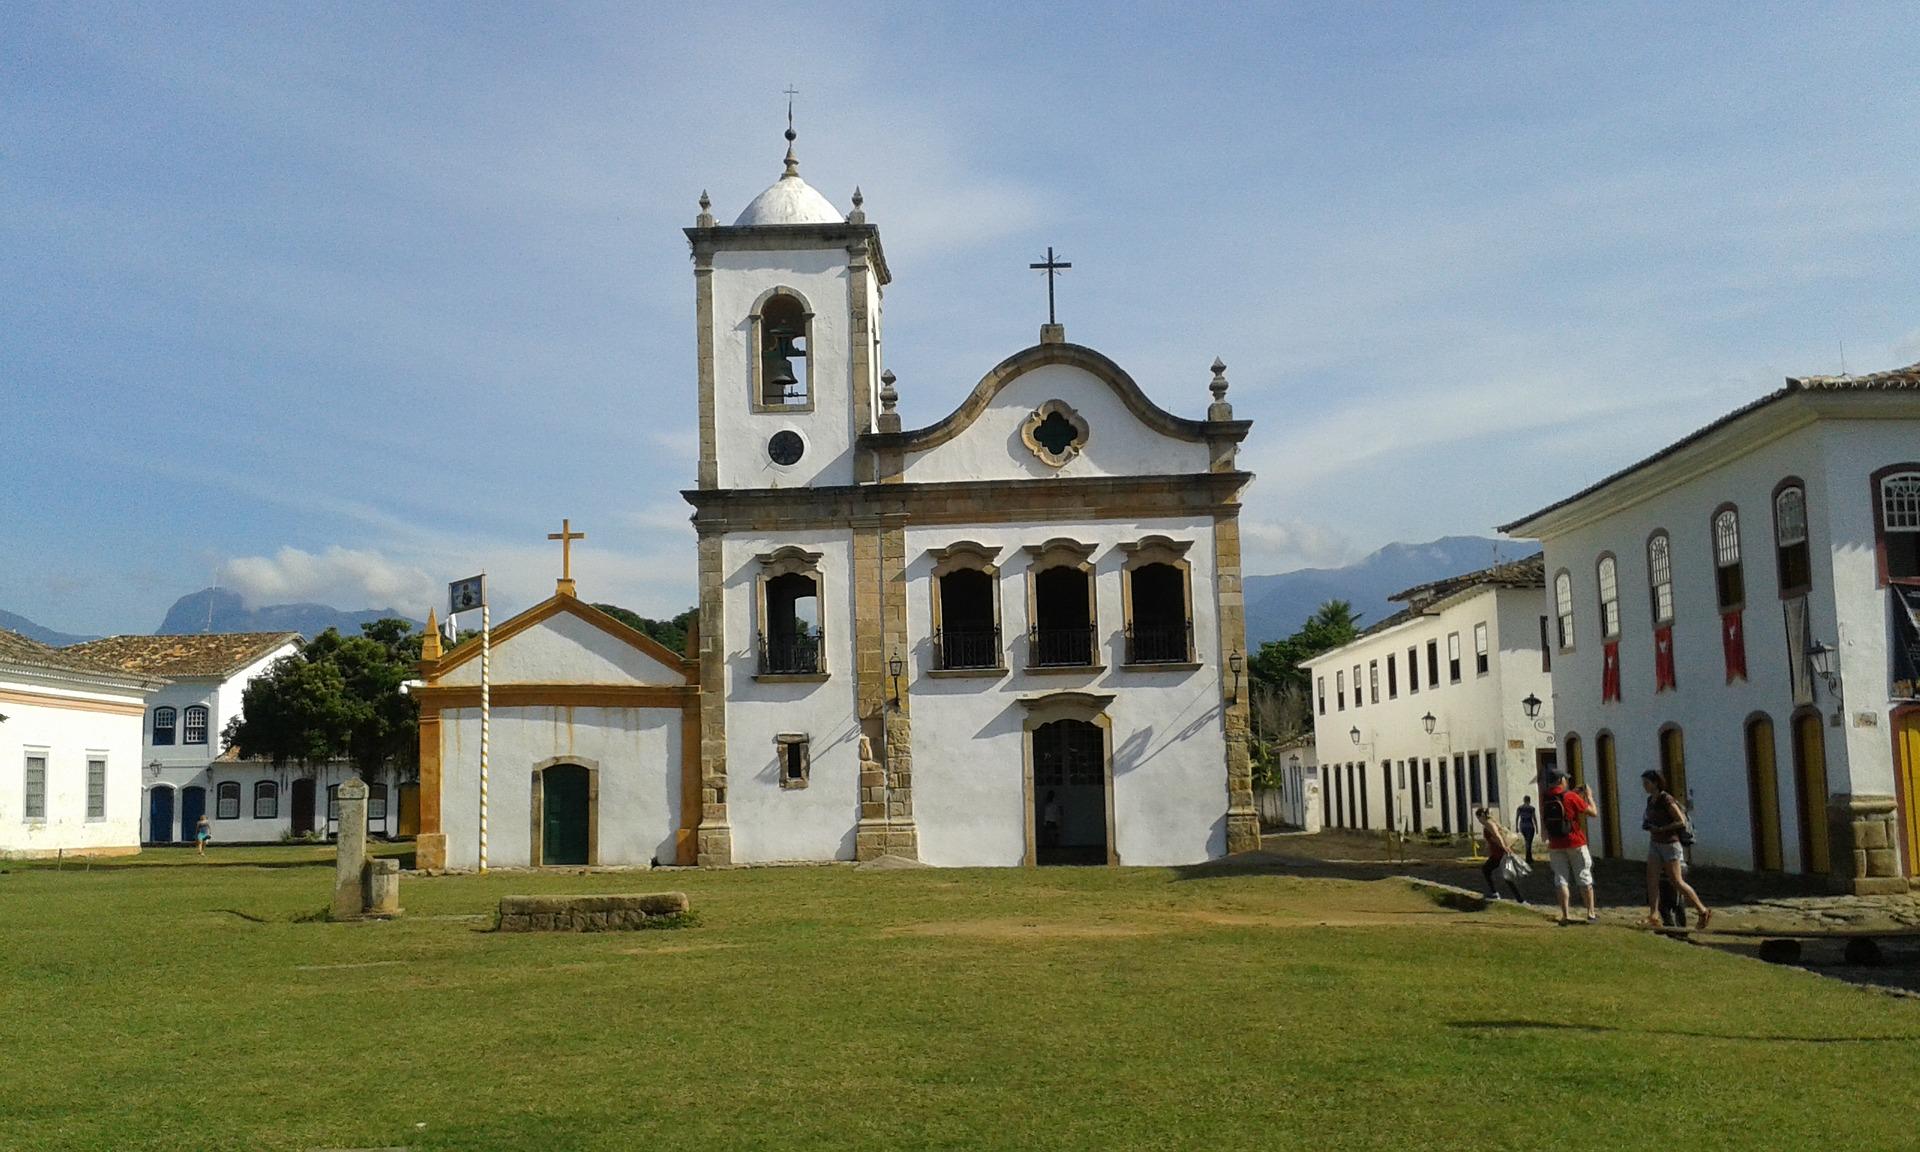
(1906, 730)
(193, 805)
(563, 806)
(303, 806)
(1070, 793)
(160, 816)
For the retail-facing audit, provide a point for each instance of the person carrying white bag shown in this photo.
(1501, 860)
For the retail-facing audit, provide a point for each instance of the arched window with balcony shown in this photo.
(792, 624)
(1660, 577)
(1730, 581)
(1061, 610)
(966, 609)
(1156, 597)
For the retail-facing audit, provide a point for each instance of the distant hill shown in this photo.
(32, 631)
(218, 610)
(1277, 605)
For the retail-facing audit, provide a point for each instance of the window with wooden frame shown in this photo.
(1061, 607)
(1359, 693)
(1433, 663)
(1320, 692)
(791, 615)
(226, 800)
(1413, 670)
(1482, 658)
(1660, 577)
(1607, 576)
(781, 331)
(165, 725)
(1729, 576)
(1563, 608)
(96, 788)
(1453, 657)
(1896, 521)
(1156, 600)
(376, 803)
(1373, 681)
(793, 759)
(1393, 677)
(266, 800)
(966, 609)
(1340, 690)
(1792, 551)
(194, 725)
(33, 789)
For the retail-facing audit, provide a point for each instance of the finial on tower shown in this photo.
(859, 214)
(705, 219)
(430, 639)
(1219, 409)
(793, 162)
(889, 419)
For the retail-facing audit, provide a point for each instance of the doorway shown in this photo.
(160, 815)
(409, 810)
(1460, 794)
(193, 805)
(303, 794)
(1606, 766)
(1906, 735)
(1070, 793)
(1763, 795)
(1810, 791)
(565, 815)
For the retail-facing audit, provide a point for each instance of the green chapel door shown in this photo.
(563, 802)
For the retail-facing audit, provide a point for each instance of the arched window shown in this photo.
(1730, 582)
(782, 328)
(164, 721)
(1763, 794)
(1562, 606)
(1897, 527)
(1660, 578)
(226, 799)
(196, 727)
(1608, 573)
(266, 800)
(792, 625)
(1794, 554)
(1157, 600)
(1061, 609)
(966, 608)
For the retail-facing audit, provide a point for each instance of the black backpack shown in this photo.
(1554, 816)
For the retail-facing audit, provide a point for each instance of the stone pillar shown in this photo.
(350, 858)
(870, 839)
(1243, 820)
(713, 839)
(1863, 834)
(383, 887)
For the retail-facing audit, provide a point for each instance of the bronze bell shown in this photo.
(778, 381)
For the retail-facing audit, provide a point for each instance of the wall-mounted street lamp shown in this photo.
(1531, 706)
(1356, 737)
(1427, 722)
(895, 666)
(1826, 662)
(1237, 662)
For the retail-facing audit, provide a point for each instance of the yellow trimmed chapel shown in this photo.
(1012, 637)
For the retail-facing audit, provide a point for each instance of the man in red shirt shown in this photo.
(1564, 813)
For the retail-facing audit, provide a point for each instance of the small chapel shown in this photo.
(1014, 636)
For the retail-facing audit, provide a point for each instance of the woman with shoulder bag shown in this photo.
(1666, 824)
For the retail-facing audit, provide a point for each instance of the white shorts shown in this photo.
(1577, 861)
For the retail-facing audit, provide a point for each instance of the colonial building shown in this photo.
(1011, 636)
(70, 751)
(1425, 716)
(1739, 609)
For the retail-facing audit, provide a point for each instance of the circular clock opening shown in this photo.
(786, 447)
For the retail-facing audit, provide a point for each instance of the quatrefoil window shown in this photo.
(1055, 433)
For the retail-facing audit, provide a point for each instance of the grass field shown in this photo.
(177, 1003)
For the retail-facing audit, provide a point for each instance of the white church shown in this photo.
(1012, 637)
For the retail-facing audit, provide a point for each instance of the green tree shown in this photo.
(1277, 664)
(339, 697)
(672, 633)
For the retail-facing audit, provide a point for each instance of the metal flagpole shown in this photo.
(486, 716)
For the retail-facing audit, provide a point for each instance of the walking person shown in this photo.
(1565, 813)
(1665, 822)
(202, 832)
(1525, 819)
(1500, 858)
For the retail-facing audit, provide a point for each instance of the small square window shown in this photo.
(793, 759)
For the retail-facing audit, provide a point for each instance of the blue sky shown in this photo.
(342, 302)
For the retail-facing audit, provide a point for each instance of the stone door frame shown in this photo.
(537, 810)
(1087, 707)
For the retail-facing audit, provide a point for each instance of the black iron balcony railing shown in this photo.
(786, 655)
(1060, 647)
(1160, 643)
(966, 648)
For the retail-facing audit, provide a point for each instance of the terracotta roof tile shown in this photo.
(208, 654)
(23, 651)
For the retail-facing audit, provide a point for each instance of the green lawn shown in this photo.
(190, 1006)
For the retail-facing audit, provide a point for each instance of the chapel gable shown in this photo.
(565, 641)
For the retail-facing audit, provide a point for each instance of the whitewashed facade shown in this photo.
(70, 743)
(1687, 592)
(1423, 717)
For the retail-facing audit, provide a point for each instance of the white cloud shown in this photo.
(347, 578)
(1270, 546)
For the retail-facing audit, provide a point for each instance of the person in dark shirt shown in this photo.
(1525, 819)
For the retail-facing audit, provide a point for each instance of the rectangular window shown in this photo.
(266, 800)
(1321, 689)
(1492, 763)
(1730, 582)
(1433, 663)
(1413, 670)
(1900, 526)
(1340, 691)
(1546, 647)
(1359, 693)
(1660, 577)
(376, 803)
(35, 807)
(195, 725)
(1426, 777)
(226, 801)
(96, 788)
(163, 725)
(1373, 681)
(1480, 656)
(333, 803)
(1403, 774)
(793, 758)
(1393, 677)
(1453, 657)
(1473, 777)
(1608, 581)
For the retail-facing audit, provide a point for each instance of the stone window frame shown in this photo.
(781, 743)
(967, 555)
(789, 560)
(221, 792)
(1038, 417)
(537, 814)
(1373, 681)
(195, 719)
(1157, 549)
(756, 361)
(1340, 689)
(28, 776)
(1064, 552)
(1088, 707)
(96, 812)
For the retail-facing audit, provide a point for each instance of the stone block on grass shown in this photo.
(603, 913)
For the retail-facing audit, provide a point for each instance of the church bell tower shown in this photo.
(787, 310)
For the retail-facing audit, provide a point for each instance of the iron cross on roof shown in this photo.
(1052, 267)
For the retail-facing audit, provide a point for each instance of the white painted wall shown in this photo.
(1118, 443)
(1169, 744)
(1478, 714)
(564, 649)
(68, 737)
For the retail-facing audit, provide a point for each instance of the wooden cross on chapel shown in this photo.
(566, 536)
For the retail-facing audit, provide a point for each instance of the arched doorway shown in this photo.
(565, 815)
(303, 797)
(1763, 795)
(1810, 791)
(1070, 793)
(160, 814)
(193, 805)
(1606, 766)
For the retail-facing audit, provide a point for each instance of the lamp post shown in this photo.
(1427, 722)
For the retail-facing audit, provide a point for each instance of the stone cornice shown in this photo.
(859, 240)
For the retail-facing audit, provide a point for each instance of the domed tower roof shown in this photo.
(790, 200)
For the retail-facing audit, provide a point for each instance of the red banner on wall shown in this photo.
(1610, 673)
(1733, 641)
(1663, 658)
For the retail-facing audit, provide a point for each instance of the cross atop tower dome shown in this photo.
(790, 200)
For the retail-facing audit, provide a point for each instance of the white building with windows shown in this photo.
(1012, 636)
(1424, 717)
(1739, 609)
(70, 744)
